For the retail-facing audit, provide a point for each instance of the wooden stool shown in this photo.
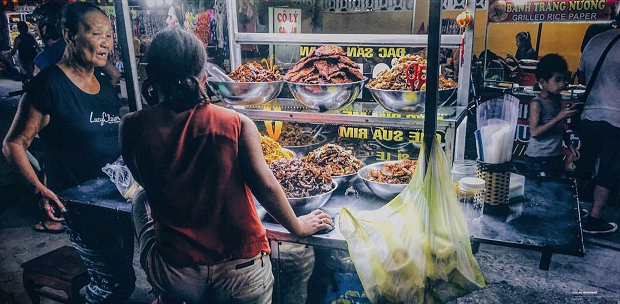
(61, 269)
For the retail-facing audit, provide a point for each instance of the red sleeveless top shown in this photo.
(189, 166)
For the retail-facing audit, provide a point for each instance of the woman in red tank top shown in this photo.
(200, 237)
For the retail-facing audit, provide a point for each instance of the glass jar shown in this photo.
(460, 169)
(469, 189)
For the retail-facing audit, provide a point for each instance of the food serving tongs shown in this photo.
(419, 78)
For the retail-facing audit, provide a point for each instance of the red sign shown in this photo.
(511, 11)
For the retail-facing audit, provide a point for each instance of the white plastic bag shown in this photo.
(415, 249)
(121, 177)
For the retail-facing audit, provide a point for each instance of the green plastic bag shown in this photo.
(416, 248)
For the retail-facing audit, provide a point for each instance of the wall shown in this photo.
(398, 22)
(562, 38)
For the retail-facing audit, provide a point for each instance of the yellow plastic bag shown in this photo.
(416, 248)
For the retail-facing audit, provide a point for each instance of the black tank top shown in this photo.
(82, 135)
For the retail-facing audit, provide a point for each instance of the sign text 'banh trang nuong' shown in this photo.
(550, 11)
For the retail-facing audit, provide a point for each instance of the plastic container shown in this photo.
(517, 185)
(461, 169)
(469, 189)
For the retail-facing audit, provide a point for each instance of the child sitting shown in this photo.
(544, 154)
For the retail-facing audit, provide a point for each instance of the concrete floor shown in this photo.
(512, 274)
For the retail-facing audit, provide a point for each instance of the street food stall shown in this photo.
(348, 111)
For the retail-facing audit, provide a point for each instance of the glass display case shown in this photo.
(278, 34)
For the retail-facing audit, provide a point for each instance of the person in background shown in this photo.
(75, 112)
(598, 28)
(201, 240)
(27, 47)
(54, 50)
(600, 127)
(524, 49)
(544, 154)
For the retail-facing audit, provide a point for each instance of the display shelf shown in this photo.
(358, 113)
(345, 40)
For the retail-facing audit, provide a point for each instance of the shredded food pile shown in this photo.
(328, 64)
(396, 77)
(396, 173)
(300, 179)
(254, 72)
(359, 147)
(273, 151)
(337, 160)
(294, 136)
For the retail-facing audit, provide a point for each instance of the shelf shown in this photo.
(358, 113)
(348, 40)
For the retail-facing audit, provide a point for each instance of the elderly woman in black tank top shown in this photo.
(75, 111)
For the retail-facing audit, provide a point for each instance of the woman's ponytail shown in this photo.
(176, 61)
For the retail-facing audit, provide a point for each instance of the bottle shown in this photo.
(469, 189)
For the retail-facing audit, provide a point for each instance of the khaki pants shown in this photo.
(296, 265)
(233, 282)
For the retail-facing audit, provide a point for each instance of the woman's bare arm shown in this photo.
(267, 189)
(26, 125)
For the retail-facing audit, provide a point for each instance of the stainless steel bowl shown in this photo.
(325, 97)
(305, 205)
(407, 102)
(383, 190)
(246, 93)
(303, 150)
(342, 180)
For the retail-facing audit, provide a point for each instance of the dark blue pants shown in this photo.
(105, 243)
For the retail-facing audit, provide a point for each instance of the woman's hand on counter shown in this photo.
(48, 197)
(313, 222)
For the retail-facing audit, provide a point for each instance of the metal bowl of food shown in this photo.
(383, 190)
(305, 149)
(342, 180)
(407, 102)
(305, 205)
(246, 93)
(325, 97)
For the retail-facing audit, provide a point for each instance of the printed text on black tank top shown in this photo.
(105, 118)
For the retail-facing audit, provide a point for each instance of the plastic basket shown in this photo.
(497, 182)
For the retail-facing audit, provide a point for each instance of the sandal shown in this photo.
(46, 229)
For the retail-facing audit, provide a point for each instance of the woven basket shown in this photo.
(497, 182)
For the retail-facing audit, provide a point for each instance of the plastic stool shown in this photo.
(61, 269)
